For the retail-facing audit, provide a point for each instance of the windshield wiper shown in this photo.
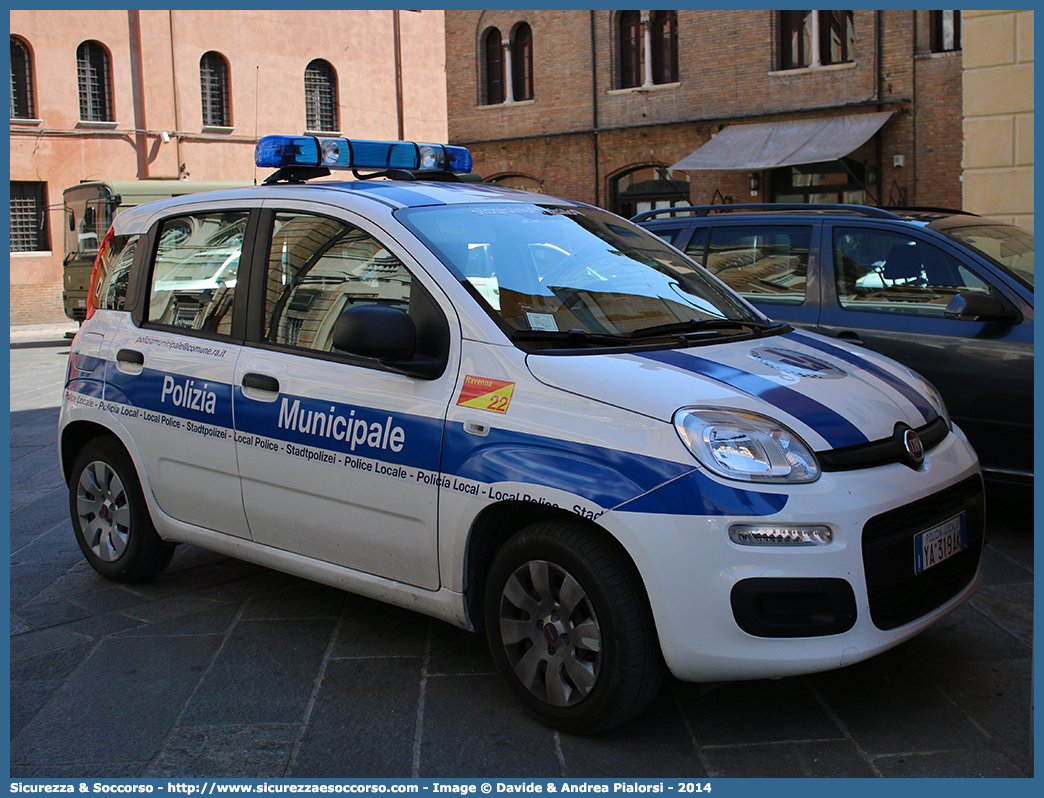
(691, 326)
(567, 337)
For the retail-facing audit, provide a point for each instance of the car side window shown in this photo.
(763, 264)
(668, 234)
(697, 246)
(195, 269)
(113, 271)
(319, 267)
(885, 271)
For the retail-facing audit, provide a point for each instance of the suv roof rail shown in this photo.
(807, 207)
(926, 209)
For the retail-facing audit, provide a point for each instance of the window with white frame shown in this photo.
(812, 39)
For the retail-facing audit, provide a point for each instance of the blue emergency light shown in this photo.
(279, 152)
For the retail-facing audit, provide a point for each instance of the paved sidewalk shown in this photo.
(218, 668)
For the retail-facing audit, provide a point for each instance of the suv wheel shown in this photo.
(570, 629)
(109, 515)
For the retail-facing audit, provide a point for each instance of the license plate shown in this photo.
(940, 542)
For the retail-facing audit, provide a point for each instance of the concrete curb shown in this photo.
(42, 332)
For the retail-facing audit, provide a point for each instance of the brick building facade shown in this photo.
(615, 96)
(134, 95)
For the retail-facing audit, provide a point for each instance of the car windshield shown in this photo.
(554, 276)
(1008, 246)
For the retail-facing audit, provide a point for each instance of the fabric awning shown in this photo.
(772, 144)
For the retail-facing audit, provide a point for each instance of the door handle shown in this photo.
(131, 357)
(261, 382)
(130, 361)
(851, 337)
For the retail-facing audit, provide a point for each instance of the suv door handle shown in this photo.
(851, 337)
(261, 382)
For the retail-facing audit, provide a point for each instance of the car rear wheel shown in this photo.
(109, 515)
(570, 629)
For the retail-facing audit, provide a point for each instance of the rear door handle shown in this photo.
(130, 361)
(131, 357)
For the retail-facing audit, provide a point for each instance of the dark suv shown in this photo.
(947, 293)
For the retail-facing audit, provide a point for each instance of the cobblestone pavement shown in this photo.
(221, 668)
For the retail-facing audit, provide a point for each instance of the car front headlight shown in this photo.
(745, 446)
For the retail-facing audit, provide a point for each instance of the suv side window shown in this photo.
(762, 264)
(194, 275)
(885, 271)
(319, 267)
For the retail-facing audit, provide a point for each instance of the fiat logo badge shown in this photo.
(914, 447)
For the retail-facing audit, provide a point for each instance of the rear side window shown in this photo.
(195, 271)
(883, 271)
(668, 234)
(113, 271)
(762, 263)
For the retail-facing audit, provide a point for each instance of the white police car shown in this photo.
(512, 412)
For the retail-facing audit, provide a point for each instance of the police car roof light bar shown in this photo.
(279, 152)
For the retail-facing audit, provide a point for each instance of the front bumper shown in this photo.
(726, 611)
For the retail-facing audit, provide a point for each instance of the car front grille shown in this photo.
(897, 594)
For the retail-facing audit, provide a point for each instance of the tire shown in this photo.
(570, 629)
(109, 515)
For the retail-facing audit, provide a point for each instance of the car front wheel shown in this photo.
(570, 629)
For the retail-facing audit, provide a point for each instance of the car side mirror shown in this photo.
(387, 335)
(975, 306)
(377, 331)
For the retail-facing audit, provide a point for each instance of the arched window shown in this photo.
(494, 52)
(630, 44)
(95, 82)
(651, 59)
(665, 46)
(321, 97)
(644, 188)
(23, 105)
(522, 62)
(521, 182)
(816, 38)
(214, 83)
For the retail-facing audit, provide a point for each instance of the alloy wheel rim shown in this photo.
(103, 509)
(550, 633)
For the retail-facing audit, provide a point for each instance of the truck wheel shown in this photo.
(570, 629)
(109, 515)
